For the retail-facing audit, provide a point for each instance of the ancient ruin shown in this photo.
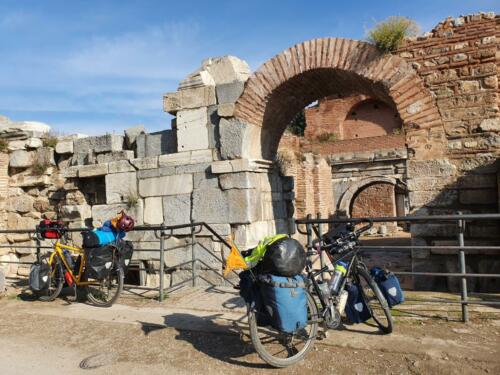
(417, 131)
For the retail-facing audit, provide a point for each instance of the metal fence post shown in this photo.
(38, 250)
(162, 264)
(461, 259)
(193, 257)
(309, 232)
(320, 234)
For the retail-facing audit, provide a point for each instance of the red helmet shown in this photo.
(125, 222)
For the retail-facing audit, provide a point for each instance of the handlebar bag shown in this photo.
(51, 229)
(356, 309)
(39, 277)
(99, 262)
(284, 299)
(389, 286)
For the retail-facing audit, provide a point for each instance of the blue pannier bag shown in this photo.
(284, 301)
(356, 309)
(389, 286)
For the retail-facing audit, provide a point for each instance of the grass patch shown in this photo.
(131, 199)
(388, 35)
(38, 169)
(326, 137)
(50, 140)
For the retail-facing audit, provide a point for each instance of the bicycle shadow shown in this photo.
(227, 343)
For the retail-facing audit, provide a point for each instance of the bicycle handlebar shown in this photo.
(347, 241)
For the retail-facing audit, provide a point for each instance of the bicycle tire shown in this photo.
(284, 362)
(93, 295)
(56, 278)
(385, 327)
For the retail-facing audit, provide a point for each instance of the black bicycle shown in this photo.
(280, 349)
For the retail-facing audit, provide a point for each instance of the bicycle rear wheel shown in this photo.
(281, 349)
(375, 300)
(56, 279)
(105, 292)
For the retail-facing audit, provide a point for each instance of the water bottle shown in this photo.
(68, 259)
(338, 275)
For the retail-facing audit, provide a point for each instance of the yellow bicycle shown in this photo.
(100, 291)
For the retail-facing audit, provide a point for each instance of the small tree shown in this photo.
(388, 35)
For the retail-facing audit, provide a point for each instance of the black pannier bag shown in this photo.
(39, 278)
(125, 251)
(99, 261)
(356, 309)
(90, 239)
(51, 229)
(284, 257)
(249, 291)
(389, 286)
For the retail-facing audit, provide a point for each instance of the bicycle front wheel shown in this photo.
(280, 349)
(105, 292)
(375, 301)
(56, 279)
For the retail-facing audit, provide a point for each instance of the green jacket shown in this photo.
(259, 252)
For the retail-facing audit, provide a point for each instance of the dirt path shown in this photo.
(137, 338)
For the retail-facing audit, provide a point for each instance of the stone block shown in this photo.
(27, 181)
(171, 102)
(70, 172)
(99, 144)
(248, 236)
(213, 127)
(148, 173)
(177, 209)
(184, 158)
(227, 69)
(114, 156)
(120, 187)
(223, 166)
(76, 212)
(132, 133)
(430, 168)
(443, 198)
(153, 210)
(64, 146)
(240, 180)
(205, 180)
(479, 196)
(211, 206)
(83, 158)
(92, 170)
(166, 185)
(231, 138)
(192, 168)
(21, 159)
(2, 281)
(17, 145)
(192, 129)
(145, 163)
(229, 92)
(433, 230)
(154, 144)
(120, 166)
(244, 206)
(225, 110)
(22, 204)
(34, 143)
(430, 183)
(197, 97)
(103, 212)
(167, 171)
(45, 156)
(490, 124)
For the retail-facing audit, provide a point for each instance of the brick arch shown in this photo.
(317, 68)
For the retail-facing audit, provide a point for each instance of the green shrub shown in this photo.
(326, 137)
(50, 140)
(39, 169)
(388, 35)
(298, 124)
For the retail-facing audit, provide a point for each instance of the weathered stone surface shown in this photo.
(154, 144)
(183, 158)
(20, 204)
(153, 210)
(248, 236)
(443, 198)
(132, 133)
(199, 78)
(213, 127)
(2, 281)
(26, 181)
(166, 185)
(100, 144)
(103, 212)
(34, 143)
(192, 130)
(229, 92)
(145, 163)
(120, 166)
(205, 180)
(171, 102)
(430, 168)
(430, 183)
(17, 145)
(177, 209)
(45, 156)
(115, 156)
(197, 97)
(240, 180)
(92, 170)
(76, 212)
(211, 206)
(490, 124)
(191, 168)
(64, 146)
(227, 69)
(83, 158)
(479, 196)
(244, 206)
(21, 159)
(225, 110)
(238, 139)
(434, 230)
(121, 187)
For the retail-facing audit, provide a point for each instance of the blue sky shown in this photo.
(101, 66)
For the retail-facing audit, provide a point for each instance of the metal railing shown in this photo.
(162, 233)
(314, 230)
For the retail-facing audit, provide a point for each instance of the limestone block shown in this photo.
(238, 139)
(115, 156)
(177, 209)
(199, 78)
(153, 210)
(433, 230)
(34, 143)
(45, 156)
(244, 205)
(20, 204)
(229, 92)
(99, 144)
(154, 144)
(132, 133)
(191, 168)
(443, 198)
(211, 206)
(479, 196)
(120, 166)
(430, 183)
(227, 69)
(490, 124)
(21, 159)
(171, 102)
(145, 163)
(27, 181)
(183, 158)
(76, 212)
(205, 180)
(248, 236)
(166, 185)
(430, 168)
(120, 187)
(240, 180)
(197, 97)
(64, 146)
(192, 129)
(103, 212)
(223, 166)
(17, 145)
(70, 172)
(92, 170)
(83, 158)
(225, 110)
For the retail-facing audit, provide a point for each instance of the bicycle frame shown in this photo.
(58, 251)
